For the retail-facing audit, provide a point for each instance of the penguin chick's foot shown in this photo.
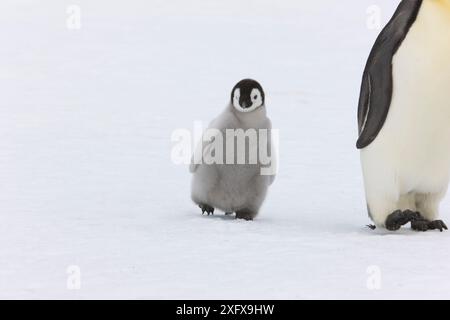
(399, 218)
(206, 209)
(425, 225)
(245, 214)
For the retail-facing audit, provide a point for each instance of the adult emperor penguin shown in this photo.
(238, 187)
(404, 117)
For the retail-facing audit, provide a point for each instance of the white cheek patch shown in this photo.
(236, 96)
(255, 96)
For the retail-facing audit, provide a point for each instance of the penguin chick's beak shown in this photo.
(245, 103)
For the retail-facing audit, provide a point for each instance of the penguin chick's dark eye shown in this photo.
(255, 97)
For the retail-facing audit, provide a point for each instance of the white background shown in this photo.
(86, 176)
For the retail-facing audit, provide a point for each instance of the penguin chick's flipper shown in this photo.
(399, 218)
(425, 225)
(245, 214)
(206, 209)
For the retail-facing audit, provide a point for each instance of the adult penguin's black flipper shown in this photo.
(377, 83)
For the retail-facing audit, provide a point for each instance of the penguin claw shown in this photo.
(425, 225)
(206, 209)
(444, 226)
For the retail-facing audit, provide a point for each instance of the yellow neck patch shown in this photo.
(444, 3)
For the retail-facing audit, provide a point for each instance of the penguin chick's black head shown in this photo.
(247, 95)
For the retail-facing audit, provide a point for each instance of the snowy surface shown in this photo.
(86, 176)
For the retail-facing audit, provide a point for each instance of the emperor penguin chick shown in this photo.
(233, 165)
(404, 117)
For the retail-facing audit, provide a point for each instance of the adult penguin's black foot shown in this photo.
(206, 209)
(425, 225)
(399, 218)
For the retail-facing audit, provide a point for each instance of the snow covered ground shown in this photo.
(86, 177)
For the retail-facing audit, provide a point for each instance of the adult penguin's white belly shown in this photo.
(412, 150)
